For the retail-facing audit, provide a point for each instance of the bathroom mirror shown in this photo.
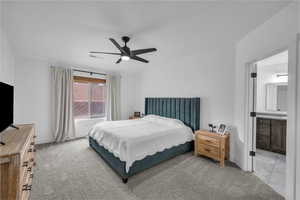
(276, 97)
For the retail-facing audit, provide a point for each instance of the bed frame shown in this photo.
(185, 109)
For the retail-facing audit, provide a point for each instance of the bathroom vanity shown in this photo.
(271, 132)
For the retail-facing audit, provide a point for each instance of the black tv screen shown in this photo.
(6, 105)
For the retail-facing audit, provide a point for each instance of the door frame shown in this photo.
(250, 107)
(292, 116)
(251, 96)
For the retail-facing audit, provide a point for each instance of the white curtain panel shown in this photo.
(113, 102)
(62, 104)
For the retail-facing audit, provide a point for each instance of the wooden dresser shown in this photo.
(212, 145)
(17, 162)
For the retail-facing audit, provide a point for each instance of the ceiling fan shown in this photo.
(125, 52)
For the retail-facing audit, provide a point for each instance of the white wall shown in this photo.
(6, 55)
(32, 94)
(33, 98)
(296, 140)
(128, 94)
(277, 33)
(207, 74)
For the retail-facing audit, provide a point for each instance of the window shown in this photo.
(89, 95)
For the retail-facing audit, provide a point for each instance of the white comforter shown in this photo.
(132, 140)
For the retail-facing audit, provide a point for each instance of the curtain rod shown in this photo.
(89, 72)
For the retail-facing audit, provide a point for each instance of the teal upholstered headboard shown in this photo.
(185, 109)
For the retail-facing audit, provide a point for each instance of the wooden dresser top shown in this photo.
(14, 139)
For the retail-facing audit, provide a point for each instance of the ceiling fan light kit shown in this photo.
(125, 52)
(125, 58)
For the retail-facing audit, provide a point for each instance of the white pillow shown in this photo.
(165, 120)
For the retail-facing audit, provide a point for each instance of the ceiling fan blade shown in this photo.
(118, 61)
(142, 51)
(118, 46)
(139, 59)
(94, 56)
(96, 52)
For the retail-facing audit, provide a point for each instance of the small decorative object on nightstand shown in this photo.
(136, 115)
(212, 127)
(212, 145)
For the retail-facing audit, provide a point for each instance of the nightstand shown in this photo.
(133, 117)
(212, 145)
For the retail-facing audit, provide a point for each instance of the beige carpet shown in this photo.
(74, 171)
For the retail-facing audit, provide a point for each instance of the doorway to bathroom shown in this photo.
(269, 78)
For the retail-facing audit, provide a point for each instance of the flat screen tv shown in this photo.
(6, 105)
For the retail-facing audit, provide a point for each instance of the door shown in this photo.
(252, 109)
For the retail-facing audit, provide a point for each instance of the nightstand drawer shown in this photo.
(208, 140)
(209, 151)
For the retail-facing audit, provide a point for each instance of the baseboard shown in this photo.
(44, 141)
(47, 141)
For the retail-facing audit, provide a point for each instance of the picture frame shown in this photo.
(222, 129)
(137, 114)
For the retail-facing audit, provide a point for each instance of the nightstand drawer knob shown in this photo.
(25, 164)
(26, 187)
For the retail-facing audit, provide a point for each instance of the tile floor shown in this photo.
(270, 168)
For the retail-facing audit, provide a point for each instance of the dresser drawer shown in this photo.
(26, 168)
(209, 151)
(27, 159)
(26, 177)
(26, 171)
(202, 139)
(29, 145)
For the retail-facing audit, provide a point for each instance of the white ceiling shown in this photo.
(280, 58)
(65, 32)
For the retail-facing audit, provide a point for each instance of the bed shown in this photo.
(131, 146)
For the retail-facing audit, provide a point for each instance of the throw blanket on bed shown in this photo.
(132, 140)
